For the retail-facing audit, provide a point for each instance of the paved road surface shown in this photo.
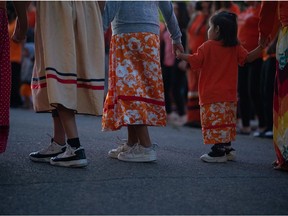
(178, 183)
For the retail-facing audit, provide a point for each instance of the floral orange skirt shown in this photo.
(135, 90)
(218, 122)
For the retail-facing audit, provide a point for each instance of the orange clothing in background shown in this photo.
(219, 71)
(248, 27)
(31, 14)
(272, 14)
(197, 32)
(15, 48)
(235, 8)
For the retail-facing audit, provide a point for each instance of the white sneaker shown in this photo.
(209, 159)
(172, 117)
(70, 158)
(113, 153)
(181, 120)
(45, 154)
(138, 153)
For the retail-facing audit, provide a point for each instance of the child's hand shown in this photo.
(177, 48)
(180, 55)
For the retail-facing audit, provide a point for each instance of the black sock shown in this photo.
(55, 113)
(75, 142)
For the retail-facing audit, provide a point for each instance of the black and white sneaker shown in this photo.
(230, 154)
(217, 155)
(70, 158)
(47, 153)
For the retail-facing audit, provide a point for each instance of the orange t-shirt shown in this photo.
(235, 8)
(15, 48)
(272, 13)
(219, 71)
(248, 27)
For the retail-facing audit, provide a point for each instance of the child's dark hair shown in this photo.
(228, 28)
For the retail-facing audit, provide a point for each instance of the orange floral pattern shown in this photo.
(135, 90)
(218, 122)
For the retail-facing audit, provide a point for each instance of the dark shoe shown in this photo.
(44, 155)
(230, 154)
(217, 155)
(70, 158)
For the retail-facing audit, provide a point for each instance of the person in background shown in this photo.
(31, 13)
(26, 74)
(249, 75)
(19, 35)
(267, 86)
(179, 78)
(272, 14)
(68, 77)
(218, 59)
(196, 36)
(15, 59)
(135, 94)
(228, 6)
(167, 65)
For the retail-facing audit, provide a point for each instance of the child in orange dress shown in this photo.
(218, 59)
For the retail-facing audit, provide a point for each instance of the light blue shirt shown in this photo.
(140, 16)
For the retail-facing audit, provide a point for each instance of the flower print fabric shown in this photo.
(135, 92)
(218, 122)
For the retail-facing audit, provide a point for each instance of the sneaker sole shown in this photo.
(213, 159)
(41, 160)
(139, 160)
(78, 163)
(231, 157)
(112, 155)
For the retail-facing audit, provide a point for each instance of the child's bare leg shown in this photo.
(67, 117)
(143, 135)
(132, 136)
(59, 133)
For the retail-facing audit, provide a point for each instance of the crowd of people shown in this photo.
(148, 80)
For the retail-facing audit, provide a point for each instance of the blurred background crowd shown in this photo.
(255, 80)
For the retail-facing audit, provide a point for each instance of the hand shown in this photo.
(177, 48)
(263, 42)
(182, 65)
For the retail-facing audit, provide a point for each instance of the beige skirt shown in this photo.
(69, 57)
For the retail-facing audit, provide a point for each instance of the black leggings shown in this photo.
(267, 87)
(249, 92)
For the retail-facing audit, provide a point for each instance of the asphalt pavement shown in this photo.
(179, 183)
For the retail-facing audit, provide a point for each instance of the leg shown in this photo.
(68, 121)
(255, 92)
(132, 136)
(57, 145)
(74, 155)
(244, 103)
(59, 133)
(144, 152)
(143, 135)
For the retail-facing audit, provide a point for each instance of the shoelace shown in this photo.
(138, 147)
(120, 141)
(68, 152)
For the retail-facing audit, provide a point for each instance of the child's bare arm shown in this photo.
(182, 56)
(254, 54)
